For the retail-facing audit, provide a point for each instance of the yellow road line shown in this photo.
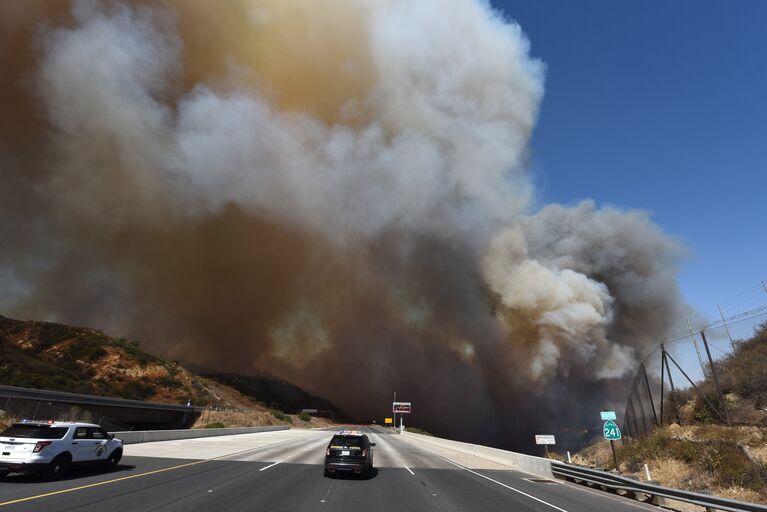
(72, 489)
(154, 472)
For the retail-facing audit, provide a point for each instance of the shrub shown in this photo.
(216, 424)
(304, 416)
(136, 390)
(88, 349)
(710, 410)
(720, 458)
(282, 416)
(168, 382)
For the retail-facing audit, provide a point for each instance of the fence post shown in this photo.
(645, 429)
(716, 378)
(649, 393)
(726, 328)
(673, 389)
(700, 394)
(697, 348)
(662, 382)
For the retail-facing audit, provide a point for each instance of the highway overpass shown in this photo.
(282, 471)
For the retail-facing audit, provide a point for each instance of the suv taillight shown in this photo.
(40, 445)
(327, 452)
(365, 452)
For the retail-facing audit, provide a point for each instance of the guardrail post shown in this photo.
(658, 501)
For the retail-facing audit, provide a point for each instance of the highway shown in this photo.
(282, 471)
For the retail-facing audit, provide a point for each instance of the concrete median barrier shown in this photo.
(148, 436)
(536, 466)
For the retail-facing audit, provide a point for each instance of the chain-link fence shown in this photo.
(710, 372)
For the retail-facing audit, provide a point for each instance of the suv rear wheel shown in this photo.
(57, 468)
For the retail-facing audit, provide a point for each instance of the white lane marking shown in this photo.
(269, 466)
(409, 470)
(502, 484)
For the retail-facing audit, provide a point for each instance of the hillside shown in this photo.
(703, 454)
(58, 357)
(278, 394)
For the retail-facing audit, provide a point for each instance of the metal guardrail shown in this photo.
(74, 398)
(633, 488)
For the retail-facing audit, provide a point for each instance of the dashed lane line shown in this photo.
(269, 466)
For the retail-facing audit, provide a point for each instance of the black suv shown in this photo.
(349, 451)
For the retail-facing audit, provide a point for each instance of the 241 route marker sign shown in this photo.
(611, 431)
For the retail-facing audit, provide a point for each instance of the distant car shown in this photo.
(52, 447)
(349, 451)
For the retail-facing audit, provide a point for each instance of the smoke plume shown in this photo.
(333, 193)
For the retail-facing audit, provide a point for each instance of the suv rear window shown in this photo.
(347, 441)
(34, 432)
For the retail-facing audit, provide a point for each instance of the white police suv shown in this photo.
(52, 447)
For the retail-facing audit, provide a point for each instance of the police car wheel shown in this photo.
(113, 459)
(57, 468)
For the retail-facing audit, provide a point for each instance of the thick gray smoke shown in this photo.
(334, 195)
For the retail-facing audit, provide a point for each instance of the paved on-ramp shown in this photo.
(282, 471)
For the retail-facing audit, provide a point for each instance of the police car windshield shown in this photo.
(347, 441)
(34, 432)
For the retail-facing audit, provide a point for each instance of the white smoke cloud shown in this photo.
(441, 146)
(569, 311)
(392, 136)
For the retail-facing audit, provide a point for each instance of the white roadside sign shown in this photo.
(544, 440)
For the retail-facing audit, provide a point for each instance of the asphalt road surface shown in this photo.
(282, 471)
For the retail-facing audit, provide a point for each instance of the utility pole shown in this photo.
(662, 380)
(393, 411)
(765, 287)
(721, 313)
(697, 348)
(716, 378)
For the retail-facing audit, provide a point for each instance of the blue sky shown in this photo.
(660, 106)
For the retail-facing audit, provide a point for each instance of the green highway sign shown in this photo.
(608, 415)
(611, 431)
